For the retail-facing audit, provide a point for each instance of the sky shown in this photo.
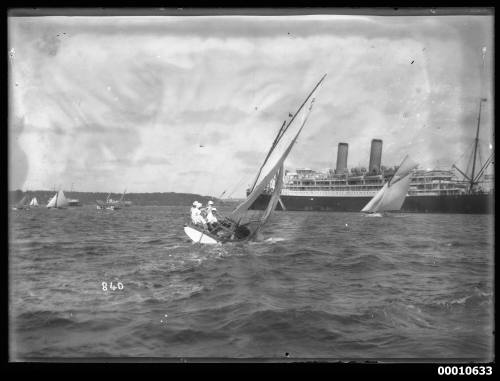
(192, 103)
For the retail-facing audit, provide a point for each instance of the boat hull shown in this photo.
(467, 204)
(198, 236)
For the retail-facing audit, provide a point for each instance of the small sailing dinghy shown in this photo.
(22, 204)
(242, 224)
(393, 193)
(59, 201)
(34, 203)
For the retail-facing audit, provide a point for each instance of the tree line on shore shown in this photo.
(86, 198)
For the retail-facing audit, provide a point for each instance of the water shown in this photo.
(318, 285)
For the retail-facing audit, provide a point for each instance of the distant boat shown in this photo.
(22, 204)
(74, 202)
(111, 204)
(241, 225)
(394, 191)
(58, 201)
(34, 203)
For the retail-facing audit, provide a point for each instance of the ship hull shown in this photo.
(469, 204)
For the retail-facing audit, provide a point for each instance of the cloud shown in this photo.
(249, 158)
(152, 160)
(193, 104)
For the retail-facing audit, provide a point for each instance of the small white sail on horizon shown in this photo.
(22, 203)
(393, 193)
(58, 201)
(34, 202)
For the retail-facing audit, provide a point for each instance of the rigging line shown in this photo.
(483, 168)
(235, 189)
(278, 138)
(481, 171)
(469, 162)
(479, 155)
(245, 176)
(463, 154)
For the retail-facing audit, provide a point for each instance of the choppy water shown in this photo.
(320, 285)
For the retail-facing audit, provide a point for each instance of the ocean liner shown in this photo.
(431, 191)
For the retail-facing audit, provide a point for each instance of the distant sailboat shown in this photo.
(393, 193)
(241, 225)
(21, 204)
(34, 202)
(111, 204)
(58, 201)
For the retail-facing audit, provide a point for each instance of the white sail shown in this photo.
(404, 168)
(278, 154)
(393, 193)
(58, 201)
(275, 196)
(52, 202)
(374, 203)
(274, 199)
(21, 203)
(61, 201)
(34, 202)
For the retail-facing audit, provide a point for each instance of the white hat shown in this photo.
(195, 203)
(210, 203)
(214, 209)
(198, 204)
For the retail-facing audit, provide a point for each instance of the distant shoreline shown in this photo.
(150, 198)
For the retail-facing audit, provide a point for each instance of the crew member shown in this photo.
(196, 216)
(211, 219)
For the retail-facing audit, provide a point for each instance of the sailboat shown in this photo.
(58, 201)
(33, 203)
(393, 193)
(115, 204)
(242, 224)
(21, 204)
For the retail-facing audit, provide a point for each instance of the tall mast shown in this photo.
(476, 141)
(283, 130)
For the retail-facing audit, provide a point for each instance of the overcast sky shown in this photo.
(192, 104)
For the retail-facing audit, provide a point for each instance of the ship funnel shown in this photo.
(375, 157)
(342, 158)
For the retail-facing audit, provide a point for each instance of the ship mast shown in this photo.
(476, 141)
(473, 180)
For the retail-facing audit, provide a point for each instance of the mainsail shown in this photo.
(393, 193)
(21, 203)
(52, 202)
(239, 225)
(61, 200)
(274, 198)
(276, 157)
(58, 201)
(34, 202)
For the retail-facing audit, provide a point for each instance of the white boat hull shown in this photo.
(198, 237)
(374, 215)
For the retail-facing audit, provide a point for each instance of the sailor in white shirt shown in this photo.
(196, 216)
(211, 219)
(208, 208)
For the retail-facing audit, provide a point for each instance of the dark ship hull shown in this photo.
(469, 203)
